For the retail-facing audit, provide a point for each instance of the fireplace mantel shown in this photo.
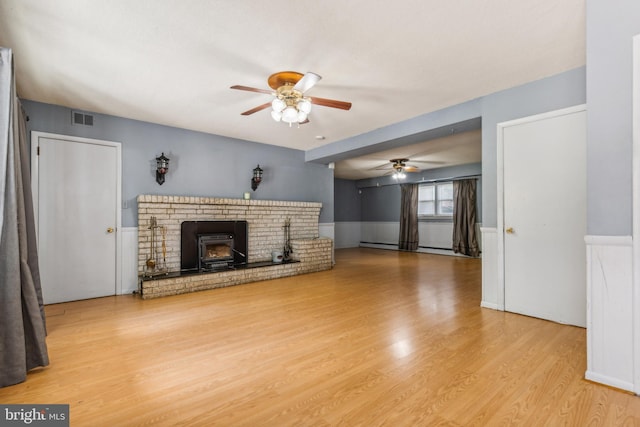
(265, 219)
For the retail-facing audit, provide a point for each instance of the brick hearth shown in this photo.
(265, 219)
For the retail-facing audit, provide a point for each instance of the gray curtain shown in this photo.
(408, 240)
(22, 321)
(464, 218)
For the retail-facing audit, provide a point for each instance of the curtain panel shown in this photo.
(465, 240)
(22, 320)
(408, 240)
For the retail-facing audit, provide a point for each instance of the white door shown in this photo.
(545, 216)
(76, 192)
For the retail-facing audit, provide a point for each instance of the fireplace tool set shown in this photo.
(154, 266)
(286, 252)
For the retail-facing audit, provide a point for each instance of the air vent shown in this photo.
(78, 118)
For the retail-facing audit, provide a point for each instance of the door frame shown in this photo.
(635, 115)
(35, 165)
(500, 186)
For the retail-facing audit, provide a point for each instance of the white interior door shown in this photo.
(78, 189)
(545, 216)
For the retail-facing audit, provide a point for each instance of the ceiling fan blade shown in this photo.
(252, 89)
(426, 162)
(307, 82)
(305, 122)
(331, 103)
(381, 167)
(411, 169)
(256, 109)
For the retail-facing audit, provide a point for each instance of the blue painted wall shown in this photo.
(347, 201)
(211, 165)
(201, 164)
(380, 197)
(611, 24)
(552, 93)
(555, 92)
(381, 203)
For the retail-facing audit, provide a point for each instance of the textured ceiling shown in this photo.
(172, 62)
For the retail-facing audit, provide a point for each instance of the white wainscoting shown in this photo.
(490, 269)
(129, 261)
(384, 233)
(326, 229)
(610, 358)
(436, 234)
(610, 345)
(435, 237)
(348, 234)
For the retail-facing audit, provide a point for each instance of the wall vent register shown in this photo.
(78, 118)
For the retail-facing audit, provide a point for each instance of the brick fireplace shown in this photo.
(265, 220)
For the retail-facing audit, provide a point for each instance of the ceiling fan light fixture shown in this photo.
(304, 106)
(302, 116)
(290, 115)
(278, 105)
(277, 116)
(399, 173)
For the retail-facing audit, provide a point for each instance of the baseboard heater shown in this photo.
(395, 245)
(378, 243)
(439, 249)
(433, 247)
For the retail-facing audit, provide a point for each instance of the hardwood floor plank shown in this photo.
(384, 339)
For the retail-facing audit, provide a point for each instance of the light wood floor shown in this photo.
(385, 338)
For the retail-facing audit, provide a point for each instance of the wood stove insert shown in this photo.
(213, 245)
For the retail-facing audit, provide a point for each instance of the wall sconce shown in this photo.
(257, 178)
(162, 166)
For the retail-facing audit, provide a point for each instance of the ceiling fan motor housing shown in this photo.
(399, 164)
(289, 95)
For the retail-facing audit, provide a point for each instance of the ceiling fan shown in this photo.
(400, 167)
(290, 104)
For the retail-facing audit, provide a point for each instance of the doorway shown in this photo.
(76, 189)
(542, 215)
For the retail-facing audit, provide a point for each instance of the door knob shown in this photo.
(109, 230)
(509, 230)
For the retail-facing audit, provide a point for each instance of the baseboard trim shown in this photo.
(490, 305)
(612, 382)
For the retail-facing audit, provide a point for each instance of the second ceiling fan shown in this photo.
(400, 167)
(290, 104)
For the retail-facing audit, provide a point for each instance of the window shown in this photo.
(435, 200)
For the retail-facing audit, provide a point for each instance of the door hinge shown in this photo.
(38, 151)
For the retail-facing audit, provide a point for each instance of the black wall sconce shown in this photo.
(257, 178)
(162, 166)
